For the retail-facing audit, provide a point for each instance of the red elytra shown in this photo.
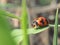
(40, 21)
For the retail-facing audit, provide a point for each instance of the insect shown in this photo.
(40, 22)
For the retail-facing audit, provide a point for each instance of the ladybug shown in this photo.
(40, 22)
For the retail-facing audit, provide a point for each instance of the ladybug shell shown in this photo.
(40, 22)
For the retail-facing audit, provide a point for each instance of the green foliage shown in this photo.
(24, 23)
(17, 33)
(5, 30)
(22, 34)
(56, 29)
(7, 36)
(5, 13)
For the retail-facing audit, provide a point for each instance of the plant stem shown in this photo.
(5, 13)
(24, 23)
(51, 25)
(55, 29)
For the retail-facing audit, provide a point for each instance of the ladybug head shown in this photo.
(35, 24)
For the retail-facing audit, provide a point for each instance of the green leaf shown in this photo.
(35, 31)
(17, 33)
(56, 29)
(24, 23)
(5, 30)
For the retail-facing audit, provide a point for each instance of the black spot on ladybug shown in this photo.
(47, 21)
(42, 21)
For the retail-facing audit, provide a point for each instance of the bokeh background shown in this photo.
(35, 8)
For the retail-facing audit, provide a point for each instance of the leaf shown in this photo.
(56, 29)
(24, 23)
(17, 33)
(35, 31)
(5, 30)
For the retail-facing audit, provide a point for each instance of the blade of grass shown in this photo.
(5, 13)
(56, 29)
(24, 23)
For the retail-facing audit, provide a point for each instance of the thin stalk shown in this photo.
(24, 22)
(5, 13)
(55, 29)
(51, 25)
